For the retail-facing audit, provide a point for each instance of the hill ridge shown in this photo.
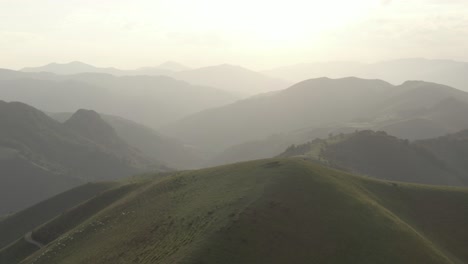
(265, 211)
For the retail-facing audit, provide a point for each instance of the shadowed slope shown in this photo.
(16, 225)
(439, 161)
(40, 157)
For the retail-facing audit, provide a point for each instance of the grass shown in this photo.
(266, 211)
(16, 225)
(64, 222)
(16, 252)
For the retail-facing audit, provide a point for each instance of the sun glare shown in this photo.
(270, 20)
(305, 19)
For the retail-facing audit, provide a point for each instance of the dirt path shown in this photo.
(29, 239)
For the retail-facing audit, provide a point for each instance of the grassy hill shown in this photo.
(437, 161)
(265, 211)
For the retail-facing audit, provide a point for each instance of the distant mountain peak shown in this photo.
(74, 63)
(231, 66)
(339, 82)
(18, 112)
(224, 67)
(84, 113)
(89, 124)
(421, 83)
(68, 64)
(73, 67)
(173, 66)
(89, 117)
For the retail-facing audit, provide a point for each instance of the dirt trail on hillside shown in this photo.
(29, 239)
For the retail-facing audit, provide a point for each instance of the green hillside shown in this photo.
(383, 156)
(266, 211)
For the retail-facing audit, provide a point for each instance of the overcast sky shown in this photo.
(255, 33)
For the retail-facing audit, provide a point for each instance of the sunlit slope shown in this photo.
(267, 211)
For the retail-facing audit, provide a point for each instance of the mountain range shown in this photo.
(77, 67)
(151, 100)
(448, 72)
(321, 103)
(234, 79)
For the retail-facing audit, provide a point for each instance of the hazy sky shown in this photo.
(255, 33)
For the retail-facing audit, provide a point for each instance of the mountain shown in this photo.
(266, 211)
(273, 144)
(89, 124)
(448, 72)
(40, 157)
(451, 149)
(170, 151)
(431, 123)
(74, 67)
(311, 104)
(235, 79)
(305, 71)
(151, 100)
(416, 128)
(380, 155)
(415, 97)
(231, 78)
(447, 116)
(77, 67)
(153, 144)
(174, 66)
